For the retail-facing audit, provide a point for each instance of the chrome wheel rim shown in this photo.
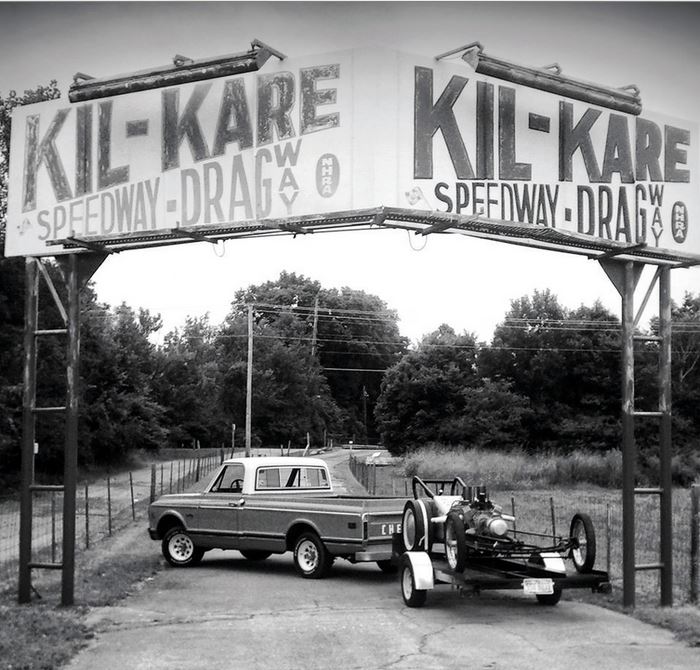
(407, 583)
(409, 530)
(307, 556)
(181, 547)
(579, 553)
(451, 545)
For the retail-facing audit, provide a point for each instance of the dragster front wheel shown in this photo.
(583, 536)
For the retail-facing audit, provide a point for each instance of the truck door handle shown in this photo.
(237, 503)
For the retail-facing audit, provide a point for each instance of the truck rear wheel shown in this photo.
(311, 558)
(415, 526)
(412, 596)
(179, 550)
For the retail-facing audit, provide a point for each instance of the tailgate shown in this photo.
(382, 525)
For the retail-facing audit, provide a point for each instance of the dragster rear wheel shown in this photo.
(455, 542)
(583, 534)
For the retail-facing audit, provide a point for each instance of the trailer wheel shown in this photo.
(179, 550)
(583, 534)
(549, 599)
(412, 596)
(311, 558)
(455, 542)
(415, 526)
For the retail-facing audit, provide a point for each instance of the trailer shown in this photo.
(464, 540)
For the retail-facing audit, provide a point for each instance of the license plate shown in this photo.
(538, 586)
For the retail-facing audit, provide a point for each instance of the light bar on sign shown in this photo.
(184, 70)
(624, 99)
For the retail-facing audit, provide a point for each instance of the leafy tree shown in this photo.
(423, 393)
(290, 394)
(355, 335)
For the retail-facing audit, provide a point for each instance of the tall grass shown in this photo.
(517, 469)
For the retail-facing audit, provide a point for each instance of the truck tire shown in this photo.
(311, 558)
(582, 531)
(255, 554)
(455, 542)
(412, 596)
(179, 550)
(415, 526)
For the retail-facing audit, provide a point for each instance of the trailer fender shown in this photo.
(553, 561)
(422, 569)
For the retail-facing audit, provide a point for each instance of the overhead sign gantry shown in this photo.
(256, 144)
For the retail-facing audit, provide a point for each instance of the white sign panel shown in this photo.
(338, 132)
(480, 146)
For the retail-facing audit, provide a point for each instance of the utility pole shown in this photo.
(249, 383)
(315, 329)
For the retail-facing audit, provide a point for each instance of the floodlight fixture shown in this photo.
(550, 79)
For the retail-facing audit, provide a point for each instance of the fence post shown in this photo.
(694, 541)
(109, 508)
(53, 527)
(177, 481)
(87, 517)
(161, 479)
(170, 487)
(199, 460)
(608, 526)
(153, 482)
(554, 524)
(512, 513)
(133, 506)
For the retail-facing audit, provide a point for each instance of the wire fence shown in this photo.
(550, 512)
(103, 508)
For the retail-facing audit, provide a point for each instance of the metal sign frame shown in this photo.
(622, 262)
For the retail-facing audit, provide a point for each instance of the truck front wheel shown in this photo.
(179, 550)
(311, 558)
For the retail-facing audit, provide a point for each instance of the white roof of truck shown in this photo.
(273, 461)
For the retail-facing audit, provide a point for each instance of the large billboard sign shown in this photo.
(341, 132)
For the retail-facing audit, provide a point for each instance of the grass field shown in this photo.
(533, 485)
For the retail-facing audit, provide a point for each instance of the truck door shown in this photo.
(219, 510)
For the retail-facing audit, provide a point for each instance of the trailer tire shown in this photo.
(549, 599)
(311, 558)
(415, 526)
(583, 555)
(412, 596)
(455, 542)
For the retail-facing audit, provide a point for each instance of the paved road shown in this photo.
(231, 613)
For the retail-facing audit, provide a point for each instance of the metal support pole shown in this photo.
(628, 444)
(666, 519)
(249, 383)
(28, 401)
(70, 464)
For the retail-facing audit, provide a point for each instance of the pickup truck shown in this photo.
(262, 506)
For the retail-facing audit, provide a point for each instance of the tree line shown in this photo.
(331, 364)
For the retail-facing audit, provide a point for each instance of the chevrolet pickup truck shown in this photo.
(262, 506)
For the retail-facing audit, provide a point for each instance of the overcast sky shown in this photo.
(467, 283)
